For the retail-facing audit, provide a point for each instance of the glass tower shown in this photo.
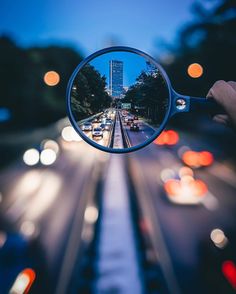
(116, 78)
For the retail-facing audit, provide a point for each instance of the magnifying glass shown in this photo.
(119, 99)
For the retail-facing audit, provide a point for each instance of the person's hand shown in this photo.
(225, 94)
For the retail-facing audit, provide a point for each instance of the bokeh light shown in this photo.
(51, 144)
(23, 281)
(31, 157)
(197, 159)
(91, 214)
(169, 137)
(69, 134)
(51, 78)
(229, 271)
(206, 158)
(218, 238)
(48, 156)
(195, 70)
(28, 228)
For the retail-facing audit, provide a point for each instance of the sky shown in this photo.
(90, 25)
(133, 65)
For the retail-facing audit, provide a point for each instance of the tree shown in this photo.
(208, 40)
(149, 93)
(89, 94)
(23, 91)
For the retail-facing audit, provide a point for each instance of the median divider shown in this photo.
(111, 138)
(124, 133)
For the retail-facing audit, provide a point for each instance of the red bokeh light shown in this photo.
(229, 271)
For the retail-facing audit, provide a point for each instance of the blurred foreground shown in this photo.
(181, 192)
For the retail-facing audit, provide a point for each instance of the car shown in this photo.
(129, 121)
(97, 132)
(102, 126)
(108, 121)
(86, 127)
(134, 127)
(96, 120)
(108, 126)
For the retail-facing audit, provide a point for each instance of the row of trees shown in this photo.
(209, 40)
(150, 95)
(89, 95)
(22, 89)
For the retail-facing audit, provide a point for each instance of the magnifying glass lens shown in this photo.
(119, 101)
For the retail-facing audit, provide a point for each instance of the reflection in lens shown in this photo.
(119, 100)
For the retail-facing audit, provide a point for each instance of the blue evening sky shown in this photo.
(90, 25)
(133, 65)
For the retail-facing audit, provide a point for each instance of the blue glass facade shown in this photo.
(116, 78)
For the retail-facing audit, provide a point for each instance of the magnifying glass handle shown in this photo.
(205, 105)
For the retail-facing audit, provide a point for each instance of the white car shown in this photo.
(97, 132)
(87, 127)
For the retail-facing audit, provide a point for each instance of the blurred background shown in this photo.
(77, 220)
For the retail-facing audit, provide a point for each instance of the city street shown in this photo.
(48, 204)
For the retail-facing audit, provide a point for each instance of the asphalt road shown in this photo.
(185, 229)
(139, 137)
(48, 204)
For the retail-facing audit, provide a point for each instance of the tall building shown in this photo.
(116, 78)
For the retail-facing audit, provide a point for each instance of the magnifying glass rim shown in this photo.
(86, 61)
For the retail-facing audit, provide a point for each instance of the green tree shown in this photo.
(89, 95)
(209, 40)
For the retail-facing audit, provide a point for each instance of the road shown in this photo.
(139, 137)
(134, 137)
(185, 229)
(48, 204)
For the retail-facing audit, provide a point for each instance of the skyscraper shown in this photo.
(116, 78)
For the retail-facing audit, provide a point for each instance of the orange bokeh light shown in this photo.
(206, 158)
(172, 187)
(24, 280)
(197, 159)
(169, 137)
(199, 187)
(191, 158)
(51, 78)
(173, 137)
(195, 70)
(31, 274)
(175, 187)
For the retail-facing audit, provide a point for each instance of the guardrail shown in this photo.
(124, 133)
(111, 139)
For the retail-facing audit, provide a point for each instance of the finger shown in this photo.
(213, 89)
(223, 93)
(232, 84)
(221, 118)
